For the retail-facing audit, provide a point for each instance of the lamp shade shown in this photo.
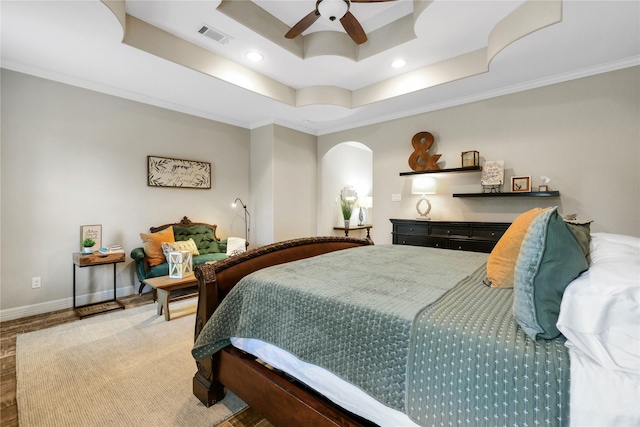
(333, 9)
(424, 185)
(366, 202)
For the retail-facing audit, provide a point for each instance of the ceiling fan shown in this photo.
(332, 10)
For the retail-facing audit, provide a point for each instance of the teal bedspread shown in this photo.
(413, 327)
(472, 364)
(347, 311)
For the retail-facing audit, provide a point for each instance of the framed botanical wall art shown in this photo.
(520, 184)
(93, 232)
(168, 172)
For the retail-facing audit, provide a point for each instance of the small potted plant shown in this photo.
(87, 244)
(347, 210)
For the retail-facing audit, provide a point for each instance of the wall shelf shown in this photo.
(465, 169)
(523, 194)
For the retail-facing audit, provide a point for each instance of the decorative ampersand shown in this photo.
(420, 159)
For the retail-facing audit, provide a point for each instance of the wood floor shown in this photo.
(10, 329)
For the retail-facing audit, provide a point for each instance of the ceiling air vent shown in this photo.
(216, 35)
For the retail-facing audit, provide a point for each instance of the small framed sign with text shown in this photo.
(93, 232)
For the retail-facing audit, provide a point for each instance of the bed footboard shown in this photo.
(216, 280)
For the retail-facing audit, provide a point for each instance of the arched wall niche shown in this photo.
(344, 164)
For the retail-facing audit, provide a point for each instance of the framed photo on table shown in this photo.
(520, 184)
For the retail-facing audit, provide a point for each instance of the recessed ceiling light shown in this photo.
(398, 63)
(254, 56)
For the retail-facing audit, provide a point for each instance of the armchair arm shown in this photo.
(138, 254)
(142, 264)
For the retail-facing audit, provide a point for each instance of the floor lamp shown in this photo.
(246, 214)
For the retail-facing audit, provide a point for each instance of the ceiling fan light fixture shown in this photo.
(254, 56)
(398, 63)
(333, 9)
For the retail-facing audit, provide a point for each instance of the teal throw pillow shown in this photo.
(582, 232)
(550, 258)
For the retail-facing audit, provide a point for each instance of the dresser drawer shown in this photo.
(487, 233)
(449, 230)
(437, 242)
(471, 245)
(410, 239)
(412, 229)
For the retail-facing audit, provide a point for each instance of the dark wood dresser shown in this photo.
(464, 236)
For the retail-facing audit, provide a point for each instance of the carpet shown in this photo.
(126, 368)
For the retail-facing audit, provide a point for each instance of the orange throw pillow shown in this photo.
(152, 243)
(501, 264)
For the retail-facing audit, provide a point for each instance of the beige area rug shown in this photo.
(126, 368)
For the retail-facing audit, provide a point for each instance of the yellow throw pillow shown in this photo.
(501, 264)
(152, 243)
(177, 246)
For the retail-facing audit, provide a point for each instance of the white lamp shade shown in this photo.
(333, 9)
(366, 202)
(424, 185)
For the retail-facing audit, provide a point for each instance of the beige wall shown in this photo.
(262, 143)
(283, 184)
(295, 181)
(71, 156)
(583, 134)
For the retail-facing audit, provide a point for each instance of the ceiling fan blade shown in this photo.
(302, 25)
(353, 28)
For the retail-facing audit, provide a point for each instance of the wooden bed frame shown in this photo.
(278, 398)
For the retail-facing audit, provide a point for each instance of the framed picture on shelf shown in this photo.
(92, 232)
(520, 184)
(492, 176)
(492, 173)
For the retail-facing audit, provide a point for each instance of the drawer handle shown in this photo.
(411, 229)
(493, 234)
(448, 231)
(437, 245)
(404, 242)
(460, 247)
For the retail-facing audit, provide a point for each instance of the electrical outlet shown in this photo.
(396, 197)
(36, 282)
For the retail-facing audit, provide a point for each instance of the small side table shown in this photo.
(357, 227)
(90, 260)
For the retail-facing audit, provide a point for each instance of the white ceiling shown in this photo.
(80, 43)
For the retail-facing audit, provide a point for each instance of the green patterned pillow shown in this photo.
(550, 258)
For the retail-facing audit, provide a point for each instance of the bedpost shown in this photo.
(206, 386)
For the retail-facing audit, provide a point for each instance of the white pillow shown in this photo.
(600, 310)
(236, 245)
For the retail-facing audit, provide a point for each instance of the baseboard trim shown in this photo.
(62, 304)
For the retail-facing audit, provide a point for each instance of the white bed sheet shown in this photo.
(600, 317)
(334, 388)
